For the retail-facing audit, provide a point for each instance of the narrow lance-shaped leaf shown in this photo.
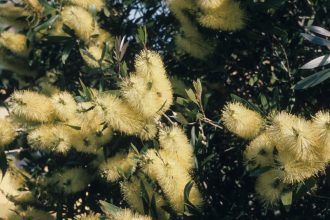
(320, 30)
(316, 39)
(313, 80)
(320, 61)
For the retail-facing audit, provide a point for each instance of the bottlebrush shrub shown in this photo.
(56, 123)
(285, 150)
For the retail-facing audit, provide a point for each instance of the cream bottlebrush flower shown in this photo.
(176, 144)
(30, 213)
(92, 216)
(71, 180)
(209, 4)
(87, 4)
(7, 207)
(73, 16)
(228, 16)
(149, 130)
(172, 178)
(34, 5)
(295, 171)
(12, 182)
(260, 152)
(112, 167)
(321, 128)
(120, 116)
(145, 97)
(50, 137)
(269, 187)
(7, 132)
(65, 106)
(15, 42)
(131, 190)
(294, 134)
(242, 121)
(127, 214)
(32, 106)
(10, 14)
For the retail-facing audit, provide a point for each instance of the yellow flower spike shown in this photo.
(112, 167)
(120, 115)
(296, 171)
(32, 106)
(127, 214)
(321, 128)
(9, 15)
(172, 178)
(269, 187)
(72, 17)
(259, 153)
(65, 105)
(87, 4)
(131, 190)
(31, 213)
(209, 4)
(228, 16)
(242, 121)
(34, 5)
(15, 42)
(71, 180)
(12, 182)
(149, 130)
(294, 134)
(176, 144)
(50, 138)
(7, 132)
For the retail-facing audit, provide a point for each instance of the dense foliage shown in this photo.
(252, 57)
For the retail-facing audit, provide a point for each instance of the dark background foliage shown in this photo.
(259, 63)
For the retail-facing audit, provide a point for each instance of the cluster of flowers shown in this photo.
(214, 14)
(20, 19)
(55, 122)
(289, 149)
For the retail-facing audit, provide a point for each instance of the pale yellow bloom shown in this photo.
(242, 121)
(73, 16)
(269, 187)
(34, 5)
(227, 16)
(92, 56)
(7, 132)
(209, 4)
(91, 216)
(50, 137)
(260, 152)
(127, 214)
(87, 4)
(15, 42)
(112, 167)
(65, 106)
(176, 144)
(32, 106)
(294, 134)
(321, 128)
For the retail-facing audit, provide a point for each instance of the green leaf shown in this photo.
(145, 197)
(181, 119)
(3, 163)
(316, 40)
(153, 208)
(46, 24)
(320, 61)
(320, 30)
(304, 187)
(67, 50)
(313, 80)
(191, 95)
